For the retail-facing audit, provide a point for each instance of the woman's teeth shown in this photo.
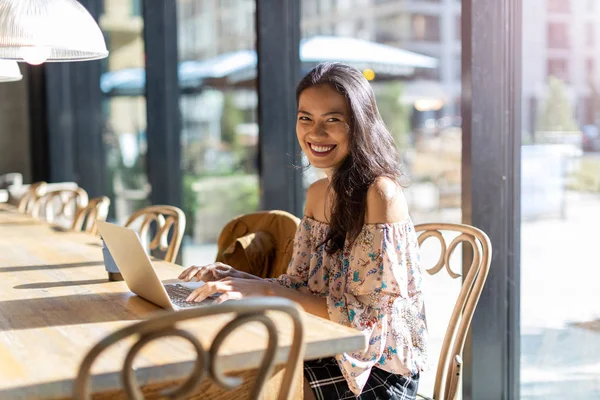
(321, 149)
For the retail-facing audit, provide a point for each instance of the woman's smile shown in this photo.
(321, 150)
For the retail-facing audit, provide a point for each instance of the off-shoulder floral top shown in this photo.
(373, 285)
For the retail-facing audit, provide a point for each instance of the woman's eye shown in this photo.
(333, 120)
(304, 118)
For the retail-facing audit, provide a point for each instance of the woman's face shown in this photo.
(323, 126)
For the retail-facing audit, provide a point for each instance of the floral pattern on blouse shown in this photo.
(373, 285)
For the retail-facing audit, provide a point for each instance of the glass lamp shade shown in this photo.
(37, 31)
(9, 71)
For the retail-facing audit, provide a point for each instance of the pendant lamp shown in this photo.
(9, 71)
(37, 31)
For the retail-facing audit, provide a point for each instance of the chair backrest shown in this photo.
(448, 372)
(260, 243)
(59, 204)
(246, 310)
(166, 217)
(34, 192)
(13, 178)
(85, 218)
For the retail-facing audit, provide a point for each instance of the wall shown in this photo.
(14, 128)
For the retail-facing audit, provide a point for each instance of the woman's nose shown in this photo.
(320, 130)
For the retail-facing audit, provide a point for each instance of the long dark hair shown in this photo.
(373, 153)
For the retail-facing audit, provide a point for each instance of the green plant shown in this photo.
(394, 114)
(188, 203)
(232, 117)
(557, 113)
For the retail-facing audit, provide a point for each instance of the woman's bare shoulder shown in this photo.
(385, 202)
(315, 197)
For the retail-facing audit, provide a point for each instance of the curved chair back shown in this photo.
(27, 202)
(166, 217)
(85, 218)
(448, 374)
(246, 310)
(10, 179)
(60, 204)
(259, 243)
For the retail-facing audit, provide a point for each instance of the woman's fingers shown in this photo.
(228, 296)
(186, 272)
(206, 273)
(207, 290)
(194, 272)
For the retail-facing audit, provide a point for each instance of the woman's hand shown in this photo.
(210, 273)
(231, 288)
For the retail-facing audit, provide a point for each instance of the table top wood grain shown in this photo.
(56, 303)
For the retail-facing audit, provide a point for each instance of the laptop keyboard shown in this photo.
(178, 293)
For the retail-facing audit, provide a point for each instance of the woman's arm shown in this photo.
(239, 288)
(310, 303)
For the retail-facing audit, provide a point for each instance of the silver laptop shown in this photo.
(134, 264)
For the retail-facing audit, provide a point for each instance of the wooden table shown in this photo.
(56, 303)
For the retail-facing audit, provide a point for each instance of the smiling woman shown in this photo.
(355, 259)
(341, 132)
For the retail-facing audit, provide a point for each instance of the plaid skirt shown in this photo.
(328, 383)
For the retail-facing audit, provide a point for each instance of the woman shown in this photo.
(355, 258)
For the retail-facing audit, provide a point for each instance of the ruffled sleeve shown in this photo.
(297, 273)
(379, 293)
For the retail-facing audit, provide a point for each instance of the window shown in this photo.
(560, 202)
(219, 136)
(425, 28)
(421, 108)
(136, 8)
(590, 70)
(386, 29)
(558, 35)
(590, 34)
(559, 68)
(559, 6)
(124, 110)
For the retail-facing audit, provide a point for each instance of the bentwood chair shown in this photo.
(27, 202)
(168, 219)
(60, 205)
(11, 179)
(166, 325)
(448, 374)
(85, 218)
(259, 243)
